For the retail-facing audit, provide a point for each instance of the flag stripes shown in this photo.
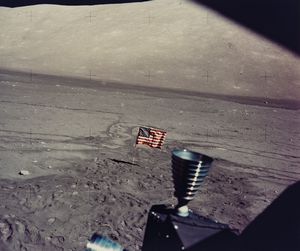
(151, 137)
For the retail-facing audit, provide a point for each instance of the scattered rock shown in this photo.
(20, 227)
(23, 248)
(22, 201)
(24, 172)
(33, 235)
(51, 220)
(128, 237)
(57, 240)
(48, 238)
(5, 230)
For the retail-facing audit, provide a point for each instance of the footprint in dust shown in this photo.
(13, 232)
(119, 133)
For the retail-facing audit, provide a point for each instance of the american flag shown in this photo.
(151, 137)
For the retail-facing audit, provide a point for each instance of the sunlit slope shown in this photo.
(157, 43)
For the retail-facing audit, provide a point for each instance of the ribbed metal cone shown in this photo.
(189, 169)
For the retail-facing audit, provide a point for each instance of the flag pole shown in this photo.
(134, 151)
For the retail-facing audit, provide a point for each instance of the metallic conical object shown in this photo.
(189, 170)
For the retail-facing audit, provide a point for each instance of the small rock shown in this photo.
(22, 201)
(51, 220)
(73, 186)
(48, 238)
(128, 237)
(57, 240)
(50, 167)
(75, 193)
(5, 230)
(24, 172)
(35, 161)
(140, 230)
(20, 227)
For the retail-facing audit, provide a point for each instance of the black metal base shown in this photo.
(166, 231)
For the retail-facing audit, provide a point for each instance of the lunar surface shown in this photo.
(77, 82)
